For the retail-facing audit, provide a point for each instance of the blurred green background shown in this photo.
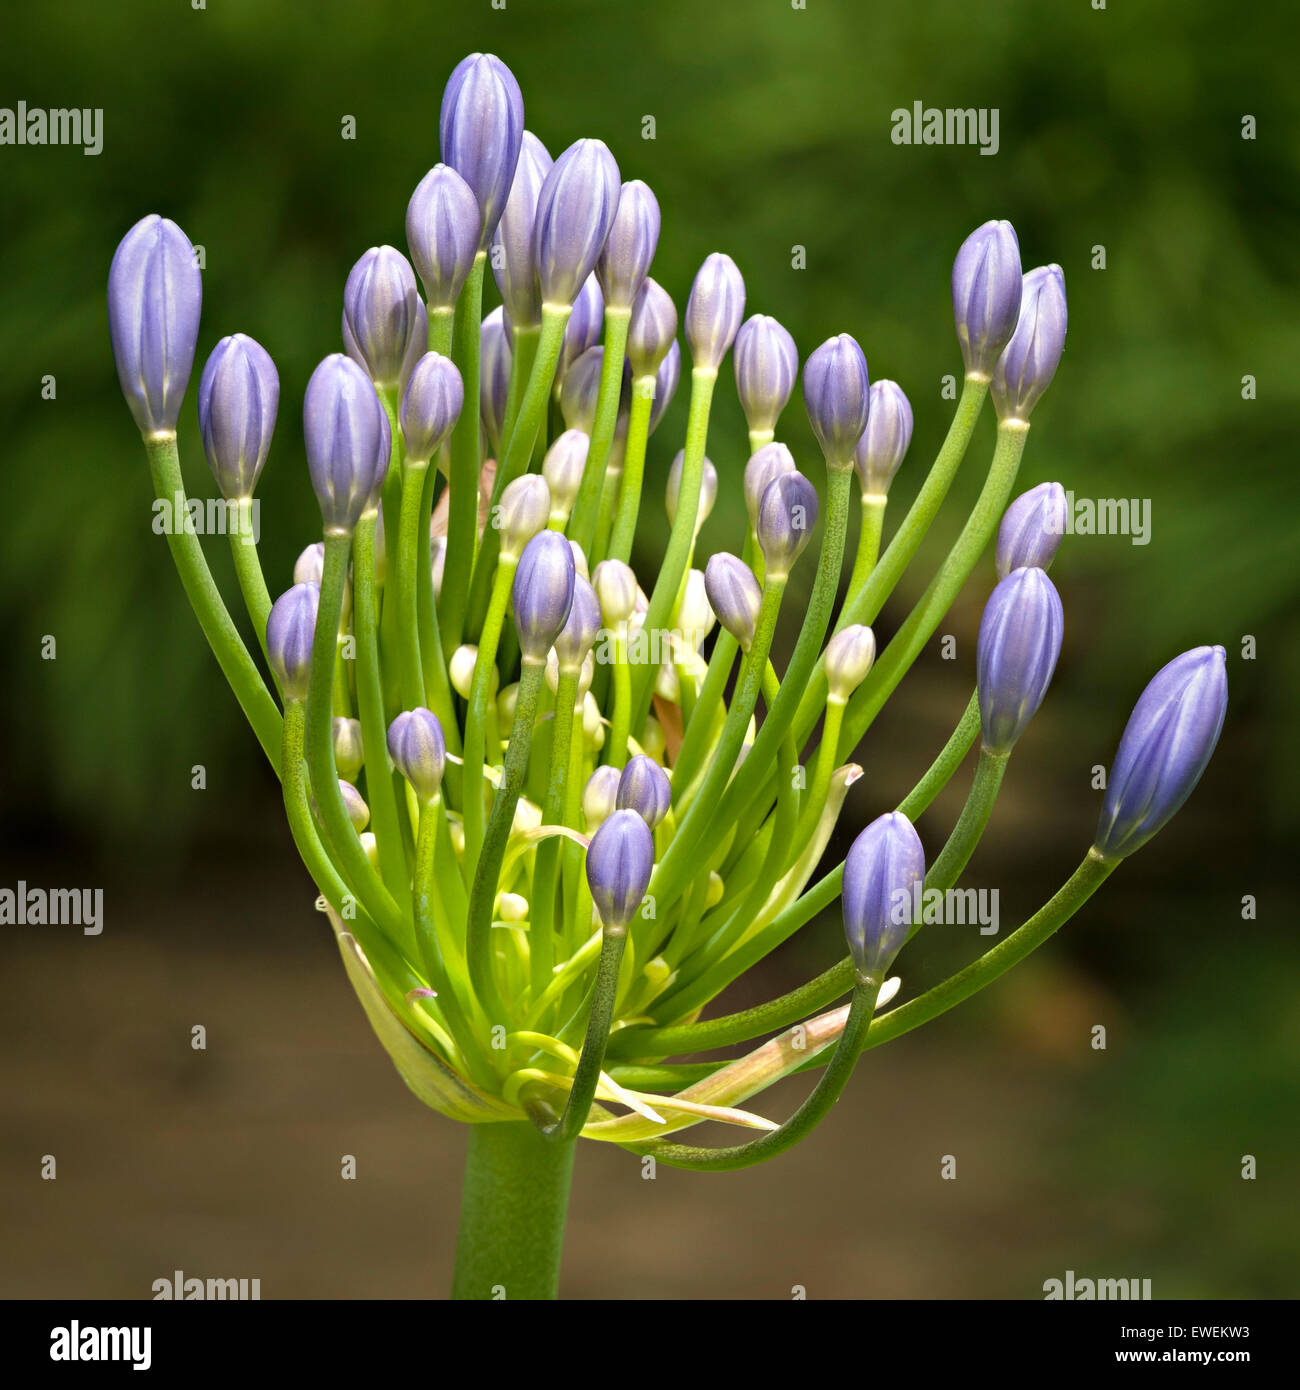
(1119, 128)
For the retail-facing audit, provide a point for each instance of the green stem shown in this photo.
(514, 1202)
(629, 496)
(910, 639)
(582, 520)
(205, 599)
(248, 571)
(905, 543)
(480, 695)
(804, 1120)
(956, 853)
(478, 945)
(695, 742)
(541, 936)
(873, 520)
(681, 539)
(381, 794)
(408, 560)
(462, 514)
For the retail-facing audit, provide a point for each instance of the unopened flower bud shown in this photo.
(575, 210)
(494, 376)
(696, 614)
(652, 329)
(349, 755)
(836, 394)
(849, 656)
(787, 513)
(431, 405)
(986, 290)
(418, 750)
(443, 222)
(355, 805)
(543, 593)
(882, 874)
(764, 465)
(563, 468)
(512, 243)
(1167, 745)
(766, 363)
(578, 635)
(630, 246)
(348, 441)
(581, 390)
(460, 669)
(1019, 643)
(290, 627)
(239, 394)
(1031, 529)
(481, 129)
(584, 328)
(884, 441)
(524, 509)
(599, 797)
(714, 311)
(380, 310)
(644, 788)
(734, 596)
(616, 587)
(155, 293)
(708, 490)
(620, 859)
(1029, 361)
(653, 740)
(507, 701)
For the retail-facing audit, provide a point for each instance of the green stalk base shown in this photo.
(512, 1213)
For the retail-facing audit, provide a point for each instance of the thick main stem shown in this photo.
(514, 1202)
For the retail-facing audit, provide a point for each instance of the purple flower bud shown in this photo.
(620, 859)
(652, 329)
(563, 468)
(764, 464)
(525, 507)
(766, 362)
(239, 394)
(644, 788)
(882, 872)
(418, 750)
(885, 439)
(575, 210)
(579, 633)
(1029, 361)
(599, 795)
(708, 490)
(667, 379)
(714, 311)
(349, 750)
(443, 221)
(787, 513)
(309, 567)
(543, 593)
(155, 294)
(1166, 746)
(494, 377)
(348, 441)
(431, 405)
(734, 595)
(1031, 529)
(290, 627)
(481, 129)
(986, 288)
(380, 309)
(584, 329)
(1019, 642)
(849, 656)
(616, 588)
(581, 391)
(630, 245)
(354, 804)
(836, 394)
(512, 242)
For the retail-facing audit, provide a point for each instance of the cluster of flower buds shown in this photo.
(543, 786)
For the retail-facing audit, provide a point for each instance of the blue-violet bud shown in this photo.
(511, 255)
(644, 788)
(543, 593)
(1019, 643)
(443, 221)
(575, 210)
(630, 246)
(1029, 361)
(787, 513)
(419, 750)
(431, 405)
(734, 595)
(764, 464)
(380, 309)
(481, 130)
(766, 362)
(883, 873)
(524, 508)
(986, 290)
(885, 439)
(667, 379)
(849, 656)
(652, 329)
(239, 394)
(579, 633)
(290, 627)
(348, 441)
(155, 293)
(494, 376)
(836, 394)
(620, 859)
(1031, 529)
(1166, 746)
(714, 311)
